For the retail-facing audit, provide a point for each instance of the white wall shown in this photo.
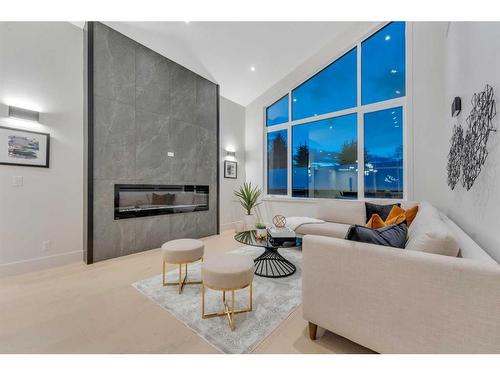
(232, 135)
(472, 61)
(428, 111)
(461, 58)
(41, 68)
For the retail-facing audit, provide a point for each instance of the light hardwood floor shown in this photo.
(93, 309)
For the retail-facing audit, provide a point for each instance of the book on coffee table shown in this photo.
(281, 235)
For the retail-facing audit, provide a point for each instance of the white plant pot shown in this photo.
(250, 221)
(261, 233)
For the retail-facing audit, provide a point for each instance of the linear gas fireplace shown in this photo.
(151, 200)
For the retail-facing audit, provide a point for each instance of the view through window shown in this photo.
(328, 155)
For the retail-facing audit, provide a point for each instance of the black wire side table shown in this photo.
(270, 263)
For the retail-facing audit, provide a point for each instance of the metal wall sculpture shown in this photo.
(455, 156)
(468, 152)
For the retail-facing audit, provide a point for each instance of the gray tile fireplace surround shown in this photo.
(142, 106)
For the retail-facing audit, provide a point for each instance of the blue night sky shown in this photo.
(327, 135)
(383, 132)
(277, 113)
(332, 89)
(383, 64)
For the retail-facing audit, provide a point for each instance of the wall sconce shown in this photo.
(456, 106)
(230, 152)
(24, 114)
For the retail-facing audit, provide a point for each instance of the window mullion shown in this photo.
(361, 144)
(361, 156)
(289, 145)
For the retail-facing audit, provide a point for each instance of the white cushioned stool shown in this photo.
(228, 272)
(182, 251)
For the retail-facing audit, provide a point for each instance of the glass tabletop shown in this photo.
(249, 237)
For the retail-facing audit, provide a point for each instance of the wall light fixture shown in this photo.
(24, 114)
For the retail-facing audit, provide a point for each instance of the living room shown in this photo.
(249, 186)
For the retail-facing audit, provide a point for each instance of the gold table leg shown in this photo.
(227, 312)
(182, 281)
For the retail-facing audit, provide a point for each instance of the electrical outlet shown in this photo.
(46, 246)
(17, 181)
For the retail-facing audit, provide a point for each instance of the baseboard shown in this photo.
(37, 264)
(229, 226)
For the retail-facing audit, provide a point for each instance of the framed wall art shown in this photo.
(24, 147)
(230, 169)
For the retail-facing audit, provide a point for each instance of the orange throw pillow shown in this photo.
(396, 215)
(410, 214)
(375, 222)
(395, 212)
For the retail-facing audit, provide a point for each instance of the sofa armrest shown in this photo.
(400, 301)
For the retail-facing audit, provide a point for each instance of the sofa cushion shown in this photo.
(327, 229)
(428, 233)
(392, 235)
(381, 210)
(342, 211)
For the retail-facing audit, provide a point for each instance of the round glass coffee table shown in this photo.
(270, 263)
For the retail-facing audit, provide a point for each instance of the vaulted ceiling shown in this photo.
(245, 58)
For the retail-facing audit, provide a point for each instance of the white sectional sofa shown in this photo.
(395, 300)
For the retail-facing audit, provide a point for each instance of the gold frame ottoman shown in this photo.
(181, 252)
(227, 273)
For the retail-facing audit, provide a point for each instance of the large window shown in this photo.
(347, 139)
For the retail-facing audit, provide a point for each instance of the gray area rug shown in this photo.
(274, 300)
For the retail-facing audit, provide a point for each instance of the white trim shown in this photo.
(324, 116)
(404, 102)
(409, 142)
(360, 130)
(41, 263)
(289, 148)
(230, 226)
(284, 198)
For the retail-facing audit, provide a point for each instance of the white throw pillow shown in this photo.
(431, 235)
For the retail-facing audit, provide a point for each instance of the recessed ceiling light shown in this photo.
(252, 68)
(387, 37)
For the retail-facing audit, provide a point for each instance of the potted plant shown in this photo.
(248, 196)
(261, 230)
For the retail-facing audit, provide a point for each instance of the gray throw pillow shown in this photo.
(392, 235)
